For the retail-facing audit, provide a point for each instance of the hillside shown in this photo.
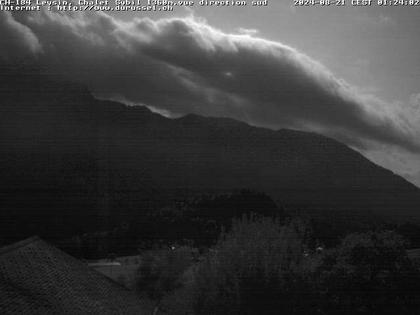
(70, 163)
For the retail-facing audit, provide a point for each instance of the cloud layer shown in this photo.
(186, 66)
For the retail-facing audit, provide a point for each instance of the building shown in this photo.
(37, 278)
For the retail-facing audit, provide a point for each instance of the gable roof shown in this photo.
(37, 278)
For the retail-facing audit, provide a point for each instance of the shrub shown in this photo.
(261, 267)
(369, 273)
(256, 268)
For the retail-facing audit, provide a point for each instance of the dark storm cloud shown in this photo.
(184, 66)
(16, 40)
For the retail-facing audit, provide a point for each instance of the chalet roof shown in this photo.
(37, 278)
(414, 253)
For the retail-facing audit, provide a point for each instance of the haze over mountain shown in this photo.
(69, 162)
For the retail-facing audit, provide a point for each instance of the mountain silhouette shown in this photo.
(70, 163)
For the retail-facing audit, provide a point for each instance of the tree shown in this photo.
(369, 273)
(254, 269)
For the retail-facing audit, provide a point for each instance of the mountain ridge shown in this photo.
(66, 154)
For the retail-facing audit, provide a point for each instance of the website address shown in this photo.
(143, 8)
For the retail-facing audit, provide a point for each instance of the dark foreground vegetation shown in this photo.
(241, 253)
(263, 266)
(197, 222)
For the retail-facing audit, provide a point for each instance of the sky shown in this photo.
(351, 73)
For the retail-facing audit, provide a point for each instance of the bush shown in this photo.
(257, 268)
(369, 273)
(261, 267)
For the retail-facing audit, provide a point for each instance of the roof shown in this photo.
(37, 278)
(414, 253)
